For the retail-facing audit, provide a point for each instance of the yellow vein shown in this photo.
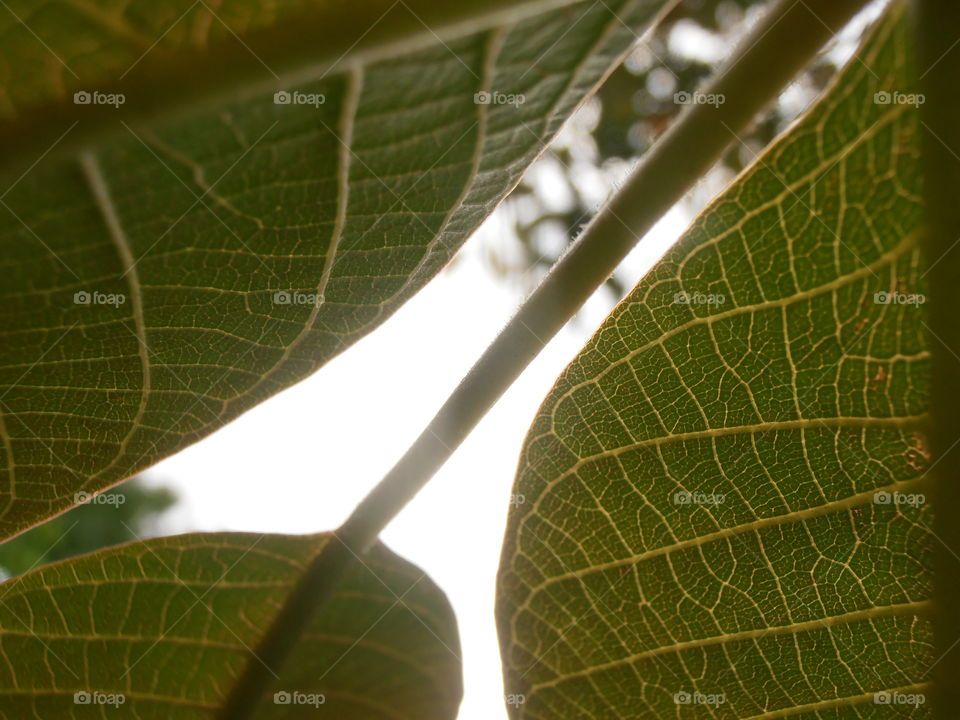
(909, 608)
(491, 52)
(847, 503)
(755, 429)
(836, 702)
(902, 248)
(792, 188)
(101, 194)
(351, 103)
(198, 642)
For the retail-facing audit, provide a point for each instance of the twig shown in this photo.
(775, 50)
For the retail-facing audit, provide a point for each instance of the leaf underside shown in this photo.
(700, 535)
(182, 232)
(169, 624)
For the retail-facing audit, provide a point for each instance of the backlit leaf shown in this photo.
(162, 628)
(173, 273)
(724, 509)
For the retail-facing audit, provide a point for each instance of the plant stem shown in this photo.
(774, 51)
(939, 68)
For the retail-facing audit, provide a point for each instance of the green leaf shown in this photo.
(701, 533)
(175, 273)
(162, 628)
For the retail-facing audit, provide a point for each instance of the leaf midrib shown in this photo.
(100, 190)
(814, 511)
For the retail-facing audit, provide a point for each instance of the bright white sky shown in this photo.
(301, 461)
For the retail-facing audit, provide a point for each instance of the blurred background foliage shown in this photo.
(604, 140)
(109, 520)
